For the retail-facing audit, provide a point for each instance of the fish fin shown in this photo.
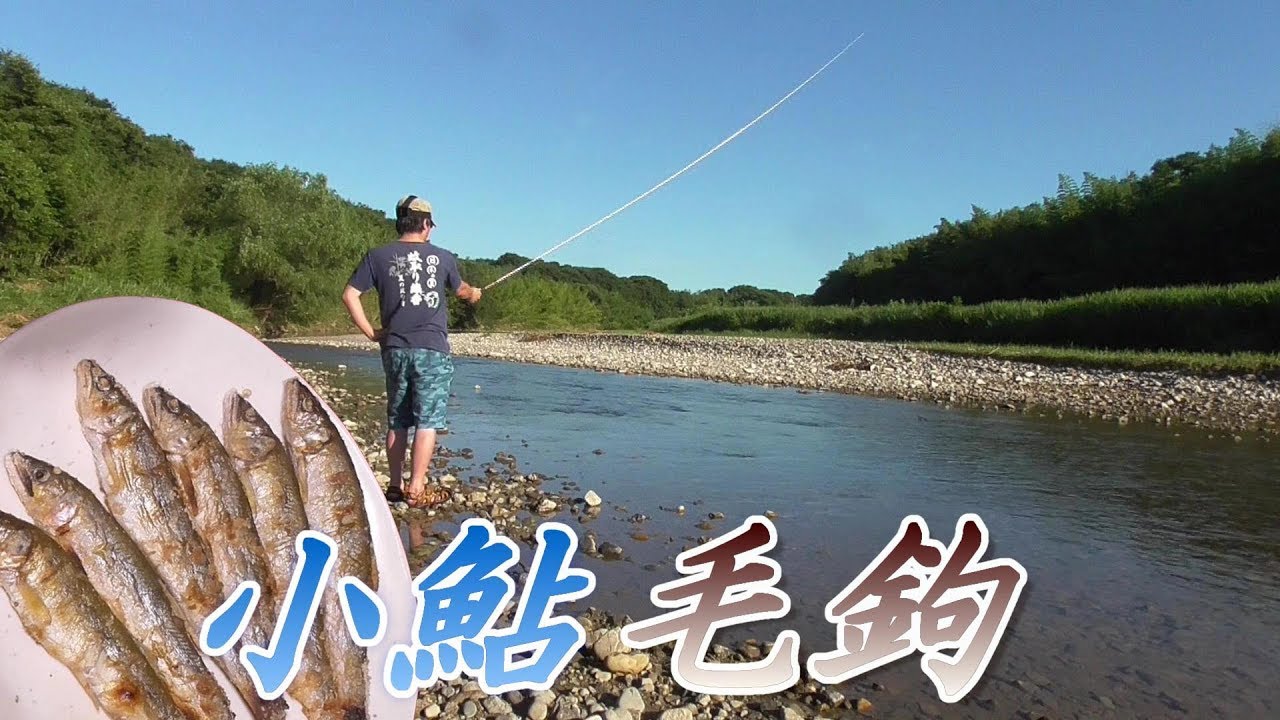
(187, 489)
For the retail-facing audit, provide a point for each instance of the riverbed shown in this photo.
(1152, 555)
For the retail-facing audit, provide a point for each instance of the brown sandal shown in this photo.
(432, 496)
(437, 496)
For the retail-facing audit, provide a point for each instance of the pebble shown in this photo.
(568, 709)
(494, 706)
(631, 701)
(1234, 403)
(606, 668)
(632, 664)
(609, 644)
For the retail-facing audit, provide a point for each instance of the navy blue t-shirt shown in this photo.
(411, 279)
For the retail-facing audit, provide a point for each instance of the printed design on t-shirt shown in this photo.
(410, 268)
(433, 297)
(400, 268)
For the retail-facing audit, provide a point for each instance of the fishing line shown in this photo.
(681, 171)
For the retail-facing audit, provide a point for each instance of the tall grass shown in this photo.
(1217, 319)
(22, 302)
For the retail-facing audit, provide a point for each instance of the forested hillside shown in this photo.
(91, 205)
(1185, 258)
(1198, 218)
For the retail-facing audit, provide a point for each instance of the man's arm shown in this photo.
(362, 280)
(351, 298)
(470, 293)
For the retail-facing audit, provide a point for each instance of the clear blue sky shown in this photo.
(524, 122)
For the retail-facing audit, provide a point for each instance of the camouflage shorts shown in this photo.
(418, 383)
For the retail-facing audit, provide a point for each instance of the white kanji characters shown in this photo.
(927, 598)
(735, 587)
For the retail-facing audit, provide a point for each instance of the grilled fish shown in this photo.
(272, 490)
(142, 493)
(334, 505)
(215, 499)
(61, 611)
(72, 515)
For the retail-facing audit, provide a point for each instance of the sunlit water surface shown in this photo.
(1152, 556)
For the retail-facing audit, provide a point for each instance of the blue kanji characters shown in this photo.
(462, 594)
(460, 597)
(272, 670)
(555, 640)
(364, 611)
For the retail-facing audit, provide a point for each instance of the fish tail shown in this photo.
(312, 688)
(340, 711)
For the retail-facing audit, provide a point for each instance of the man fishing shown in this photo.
(410, 276)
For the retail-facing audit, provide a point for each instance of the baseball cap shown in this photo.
(412, 204)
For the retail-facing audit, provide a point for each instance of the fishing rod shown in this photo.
(682, 170)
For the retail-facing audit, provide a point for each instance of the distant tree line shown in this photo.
(1211, 217)
(92, 205)
(617, 302)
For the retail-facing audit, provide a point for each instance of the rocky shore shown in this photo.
(605, 680)
(1231, 404)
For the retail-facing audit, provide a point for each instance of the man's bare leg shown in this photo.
(396, 440)
(424, 449)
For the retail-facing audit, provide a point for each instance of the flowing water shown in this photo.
(1152, 556)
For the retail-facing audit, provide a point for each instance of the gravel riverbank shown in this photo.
(1234, 404)
(605, 680)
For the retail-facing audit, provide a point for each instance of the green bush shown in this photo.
(90, 201)
(1218, 319)
(1208, 217)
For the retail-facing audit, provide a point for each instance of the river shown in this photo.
(1152, 555)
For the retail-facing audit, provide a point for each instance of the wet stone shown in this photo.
(632, 664)
(632, 701)
(496, 706)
